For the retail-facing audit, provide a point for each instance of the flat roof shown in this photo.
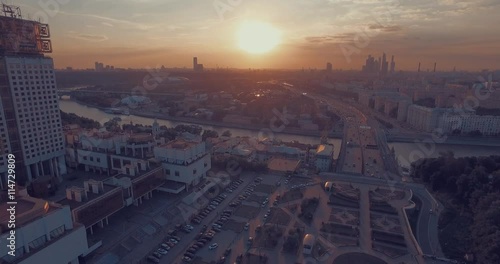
(28, 209)
(283, 165)
(180, 144)
(90, 196)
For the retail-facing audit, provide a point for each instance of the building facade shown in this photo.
(44, 231)
(185, 162)
(30, 122)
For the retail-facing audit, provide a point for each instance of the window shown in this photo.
(57, 232)
(177, 173)
(98, 159)
(194, 171)
(167, 171)
(37, 242)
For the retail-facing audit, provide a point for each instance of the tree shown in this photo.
(209, 134)
(226, 133)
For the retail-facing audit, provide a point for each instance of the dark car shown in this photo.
(199, 244)
(189, 255)
(153, 259)
(227, 252)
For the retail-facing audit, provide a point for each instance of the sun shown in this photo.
(258, 37)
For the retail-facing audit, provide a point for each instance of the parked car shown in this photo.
(247, 225)
(153, 259)
(213, 246)
(165, 246)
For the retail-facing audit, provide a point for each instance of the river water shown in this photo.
(70, 106)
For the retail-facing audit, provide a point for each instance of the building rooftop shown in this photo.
(72, 203)
(283, 165)
(28, 209)
(324, 150)
(179, 144)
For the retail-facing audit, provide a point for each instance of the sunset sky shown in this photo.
(150, 33)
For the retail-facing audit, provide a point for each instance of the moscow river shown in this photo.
(70, 106)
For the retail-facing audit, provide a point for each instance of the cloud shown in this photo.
(109, 20)
(385, 28)
(88, 37)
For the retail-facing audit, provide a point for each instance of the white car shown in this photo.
(173, 241)
(162, 251)
(213, 246)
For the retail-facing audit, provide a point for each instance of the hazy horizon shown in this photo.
(151, 33)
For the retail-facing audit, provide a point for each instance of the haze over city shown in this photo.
(136, 34)
(249, 132)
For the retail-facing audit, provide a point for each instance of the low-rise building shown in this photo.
(185, 162)
(44, 233)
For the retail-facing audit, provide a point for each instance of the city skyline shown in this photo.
(311, 33)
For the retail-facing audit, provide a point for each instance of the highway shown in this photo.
(427, 225)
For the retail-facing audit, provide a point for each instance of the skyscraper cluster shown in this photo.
(99, 66)
(379, 66)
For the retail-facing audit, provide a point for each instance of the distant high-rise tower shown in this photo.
(393, 64)
(196, 66)
(30, 119)
(384, 65)
(419, 67)
(329, 67)
(434, 67)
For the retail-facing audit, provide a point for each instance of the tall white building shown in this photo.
(470, 122)
(185, 162)
(30, 122)
(424, 118)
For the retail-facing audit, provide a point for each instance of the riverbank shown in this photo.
(266, 131)
(450, 140)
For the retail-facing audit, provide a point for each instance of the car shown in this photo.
(430, 211)
(227, 252)
(275, 203)
(158, 255)
(247, 225)
(165, 246)
(265, 216)
(203, 240)
(216, 229)
(162, 251)
(199, 244)
(250, 240)
(187, 259)
(194, 246)
(187, 254)
(213, 246)
(191, 250)
(153, 259)
(221, 260)
(170, 244)
(173, 241)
